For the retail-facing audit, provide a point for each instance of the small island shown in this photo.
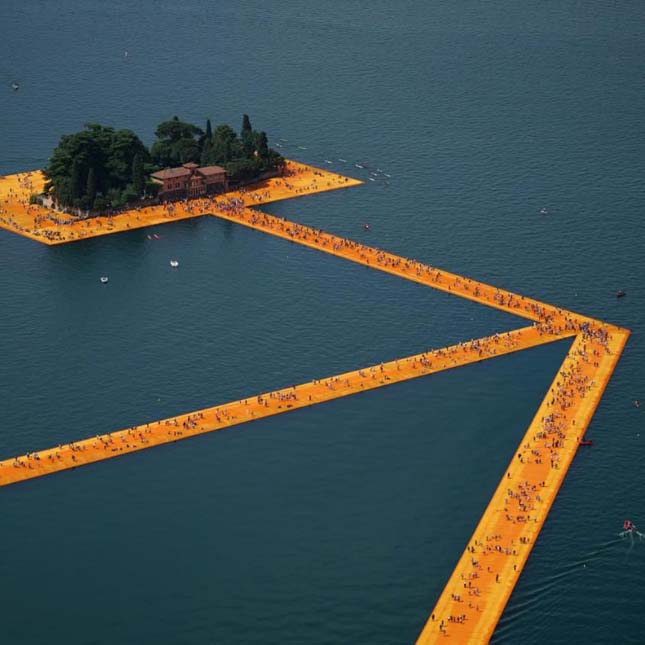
(101, 181)
(102, 171)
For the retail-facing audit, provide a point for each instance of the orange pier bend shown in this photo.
(481, 584)
(100, 447)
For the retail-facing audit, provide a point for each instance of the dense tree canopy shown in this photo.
(177, 143)
(244, 157)
(96, 169)
(101, 168)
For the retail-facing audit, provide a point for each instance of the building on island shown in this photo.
(190, 180)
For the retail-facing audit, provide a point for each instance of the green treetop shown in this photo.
(94, 165)
(177, 143)
(101, 168)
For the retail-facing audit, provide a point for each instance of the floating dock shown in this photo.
(479, 588)
(106, 446)
(476, 594)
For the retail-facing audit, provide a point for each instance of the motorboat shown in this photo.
(103, 279)
(629, 529)
(174, 264)
(620, 293)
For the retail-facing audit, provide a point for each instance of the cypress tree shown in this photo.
(205, 157)
(209, 131)
(76, 181)
(263, 145)
(138, 177)
(90, 190)
(246, 125)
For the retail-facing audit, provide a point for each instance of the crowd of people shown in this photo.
(534, 477)
(54, 226)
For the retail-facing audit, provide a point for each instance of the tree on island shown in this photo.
(243, 158)
(138, 174)
(90, 189)
(101, 168)
(93, 169)
(246, 125)
(177, 143)
(222, 147)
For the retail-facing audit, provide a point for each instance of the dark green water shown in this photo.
(338, 524)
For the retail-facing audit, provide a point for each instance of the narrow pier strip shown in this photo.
(106, 446)
(555, 319)
(476, 594)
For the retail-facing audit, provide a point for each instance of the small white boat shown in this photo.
(103, 279)
(15, 87)
(174, 263)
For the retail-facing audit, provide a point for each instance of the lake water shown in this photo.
(340, 523)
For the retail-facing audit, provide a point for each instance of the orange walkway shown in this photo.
(473, 600)
(101, 447)
(478, 590)
(557, 318)
(52, 227)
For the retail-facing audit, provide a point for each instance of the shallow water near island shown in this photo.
(340, 523)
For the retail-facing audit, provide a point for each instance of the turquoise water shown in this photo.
(338, 524)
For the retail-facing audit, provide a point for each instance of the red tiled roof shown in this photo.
(211, 170)
(171, 173)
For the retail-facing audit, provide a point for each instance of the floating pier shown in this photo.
(476, 594)
(107, 446)
(479, 588)
(53, 227)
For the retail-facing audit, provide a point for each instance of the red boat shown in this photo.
(586, 442)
